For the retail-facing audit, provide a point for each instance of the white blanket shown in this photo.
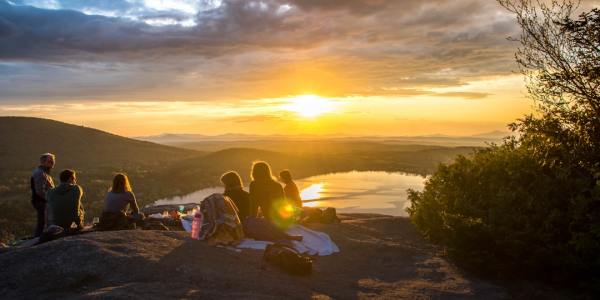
(313, 242)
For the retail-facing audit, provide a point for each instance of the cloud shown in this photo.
(235, 26)
(247, 49)
(464, 95)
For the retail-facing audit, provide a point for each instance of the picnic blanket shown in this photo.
(313, 242)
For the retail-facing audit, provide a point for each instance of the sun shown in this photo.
(309, 106)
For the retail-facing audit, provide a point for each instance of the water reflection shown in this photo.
(312, 192)
(352, 192)
(370, 192)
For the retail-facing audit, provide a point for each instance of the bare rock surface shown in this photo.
(381, 257)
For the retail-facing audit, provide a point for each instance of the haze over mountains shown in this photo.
(201, 141)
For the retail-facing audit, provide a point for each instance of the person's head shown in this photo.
(68, 176)
(231, 180)
(285, 176)
(261, 171)
(47, 160)
(120, 184)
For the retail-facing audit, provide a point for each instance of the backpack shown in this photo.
(329, 216)
(288, 259)
(317, 215)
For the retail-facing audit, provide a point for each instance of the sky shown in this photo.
(347, 67)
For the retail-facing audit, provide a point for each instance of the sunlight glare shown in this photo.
(309, 106)
(312, 192)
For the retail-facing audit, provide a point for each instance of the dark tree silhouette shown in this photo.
(560, 58)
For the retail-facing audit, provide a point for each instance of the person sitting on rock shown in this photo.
(115, 213)
(292, 194)
(64, 202)
(234, 189)
(268, 194)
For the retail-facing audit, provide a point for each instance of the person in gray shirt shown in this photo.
(41, 181)
(120, 196)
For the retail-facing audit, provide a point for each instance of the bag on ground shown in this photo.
(288, 259)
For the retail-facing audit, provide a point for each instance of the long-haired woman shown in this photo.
(120, 196)
(265, 191)
(234, 189)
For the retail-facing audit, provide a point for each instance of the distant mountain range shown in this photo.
(183, 139)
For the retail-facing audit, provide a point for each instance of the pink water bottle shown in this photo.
(196, 224)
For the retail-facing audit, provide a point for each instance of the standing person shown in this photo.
(41, 182)
(265, 192)
(234, 189)
(64, 202)
(115, 213)
(292, 194)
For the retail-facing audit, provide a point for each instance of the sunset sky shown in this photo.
(350, 67)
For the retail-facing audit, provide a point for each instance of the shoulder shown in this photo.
(50, 191)
(276, 184)
(242, 193)
(37, 172)
(130, 195)
(78, 189)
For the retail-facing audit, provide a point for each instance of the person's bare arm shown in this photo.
(133, 204)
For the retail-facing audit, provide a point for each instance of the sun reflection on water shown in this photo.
(311, 193)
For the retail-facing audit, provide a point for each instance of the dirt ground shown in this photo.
(381, 257)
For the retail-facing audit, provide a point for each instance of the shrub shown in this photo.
(532, 204)
(501, 210)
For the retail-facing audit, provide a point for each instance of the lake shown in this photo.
(349, 192)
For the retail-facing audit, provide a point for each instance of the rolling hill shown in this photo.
(24, 139)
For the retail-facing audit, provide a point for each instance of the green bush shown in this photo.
(532, 204)
(501, 210)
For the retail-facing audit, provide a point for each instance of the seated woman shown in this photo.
(235, 191)
(292, 194)
(114, 215)
(265, 192)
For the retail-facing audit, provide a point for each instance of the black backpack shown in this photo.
(288, 259)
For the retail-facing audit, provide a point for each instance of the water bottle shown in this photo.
(196, 224)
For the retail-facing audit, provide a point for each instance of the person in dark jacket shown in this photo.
(64, 202)
(265, 192)
(115, 215)
(292, 194)
(40, 183)
(234, 189)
